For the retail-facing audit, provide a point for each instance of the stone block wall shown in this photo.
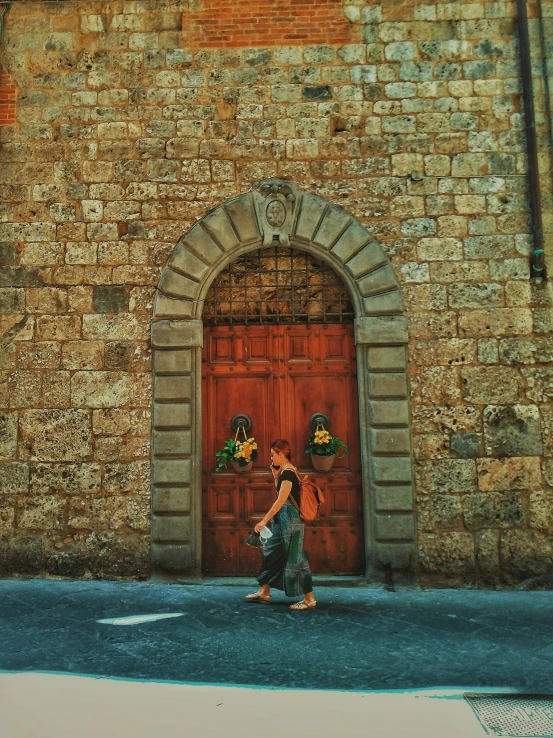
(134, 119)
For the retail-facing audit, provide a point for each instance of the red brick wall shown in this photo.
(7, 99)
(266, 23)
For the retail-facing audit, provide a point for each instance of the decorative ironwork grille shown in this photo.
(277, 285)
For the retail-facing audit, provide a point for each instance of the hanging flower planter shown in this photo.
(241, 454)
(322, 463)
(323, 449)
(241, 469)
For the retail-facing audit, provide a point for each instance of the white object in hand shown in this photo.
(265, 533)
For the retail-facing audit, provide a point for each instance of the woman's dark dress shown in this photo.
(284, 565)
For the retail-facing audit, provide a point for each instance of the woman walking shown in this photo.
(284, 565)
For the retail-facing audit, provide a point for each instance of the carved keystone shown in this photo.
(276, 202)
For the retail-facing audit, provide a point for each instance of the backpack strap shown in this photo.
(291, 496)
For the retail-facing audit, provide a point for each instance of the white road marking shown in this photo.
(135, 619)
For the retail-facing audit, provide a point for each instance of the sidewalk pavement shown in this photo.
(365, 662)
(57, 706)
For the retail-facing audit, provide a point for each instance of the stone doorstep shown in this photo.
(400, 583)
(318, 581)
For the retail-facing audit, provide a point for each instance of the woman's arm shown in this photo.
(285, 489)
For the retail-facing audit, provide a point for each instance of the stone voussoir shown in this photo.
(177, 334)
(381, 330)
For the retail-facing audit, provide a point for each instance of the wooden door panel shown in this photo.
(318, 392)
(220, 551)
(330, 549)
(299, 346)
(335, 347)
(229, 396)
(223, 500)
(222, 348)
(258, 498)
(280, 376)
(258, 347)
(334, 543)
(328, 384)
(343, 502)
(334, 550)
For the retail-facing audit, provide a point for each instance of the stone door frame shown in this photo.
(275, 212)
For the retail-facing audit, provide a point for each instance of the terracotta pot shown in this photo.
(322, 463)
(241, 469)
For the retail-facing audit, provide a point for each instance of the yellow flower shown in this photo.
(321, 437)
(244, 449)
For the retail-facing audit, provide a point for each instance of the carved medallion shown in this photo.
(276, 201)
(275, 213)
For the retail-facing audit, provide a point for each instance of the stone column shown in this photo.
(387, 463)
(176, 447)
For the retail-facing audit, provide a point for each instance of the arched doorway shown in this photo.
(279, 348)
(275, 213)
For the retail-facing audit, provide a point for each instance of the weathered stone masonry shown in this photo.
(134, 120)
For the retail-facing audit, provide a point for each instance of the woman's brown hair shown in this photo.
(283, 446)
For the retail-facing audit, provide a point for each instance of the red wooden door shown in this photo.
(279, 376)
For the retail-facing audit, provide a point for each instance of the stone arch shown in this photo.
(275, 212)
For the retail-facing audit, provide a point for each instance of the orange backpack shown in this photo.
(311, 498)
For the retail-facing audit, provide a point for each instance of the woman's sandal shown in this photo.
(257, 597)
(303, 605)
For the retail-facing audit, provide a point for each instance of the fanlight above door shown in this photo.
(277, 285)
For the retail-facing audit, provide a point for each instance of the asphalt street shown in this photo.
(358, 638)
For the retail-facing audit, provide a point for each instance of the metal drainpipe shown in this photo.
(537, 261)
(4, 7)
